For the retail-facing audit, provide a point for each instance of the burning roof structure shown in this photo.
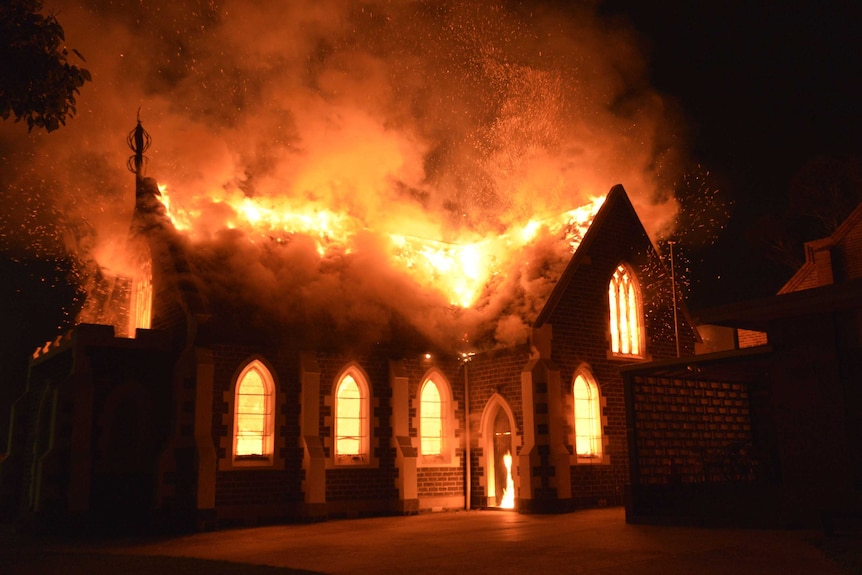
(360, 286)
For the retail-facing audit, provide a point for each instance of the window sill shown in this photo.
(351, 462)
(579, 460)
(426, 461)
(628, 357)
(248, 463)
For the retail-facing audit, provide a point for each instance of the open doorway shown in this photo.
(500, 447)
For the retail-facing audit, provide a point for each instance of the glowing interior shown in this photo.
(431, 420)
(587, 418)
(349, 419)
(142, 301)
(624, 316)
(253, 407)
(508, 500)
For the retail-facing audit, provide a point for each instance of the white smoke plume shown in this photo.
(444, 120)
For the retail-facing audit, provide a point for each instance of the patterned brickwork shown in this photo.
(437, 481)
(690, 431)
(749, 338)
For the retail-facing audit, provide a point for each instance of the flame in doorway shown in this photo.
(508, 500)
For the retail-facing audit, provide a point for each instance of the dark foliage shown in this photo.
(820, 197)
(37, 82)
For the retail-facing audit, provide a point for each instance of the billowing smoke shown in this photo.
(450, 121)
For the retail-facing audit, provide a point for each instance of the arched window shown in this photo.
(142, 299)
(626, 321)
(436, 421)
(351, 419)
(587, 417)
(254, 414)
(431, 432)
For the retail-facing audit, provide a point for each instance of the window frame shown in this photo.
(633, 307)
(141, 304)
(597, 421)
(267, 458)
(364, 455)
(448, 442)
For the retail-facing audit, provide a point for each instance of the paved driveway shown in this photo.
(476, 542)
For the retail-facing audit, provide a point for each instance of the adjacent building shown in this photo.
(767, 431)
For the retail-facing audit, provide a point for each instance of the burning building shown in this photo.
(181, 401)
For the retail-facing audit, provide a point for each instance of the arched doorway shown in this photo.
(500, 445)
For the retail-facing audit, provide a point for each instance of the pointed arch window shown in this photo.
(254, 414)
(436, 422)
(351, 420)
(587, 417)
(431, 420)
(626, 319)
(142, 299)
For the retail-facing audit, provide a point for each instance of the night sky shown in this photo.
(763, 87)
(766, 88)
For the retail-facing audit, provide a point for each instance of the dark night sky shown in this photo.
(766, 87)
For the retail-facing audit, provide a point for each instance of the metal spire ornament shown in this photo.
(139, 142)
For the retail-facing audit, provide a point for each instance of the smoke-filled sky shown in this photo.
(451, 121)
(448, 115)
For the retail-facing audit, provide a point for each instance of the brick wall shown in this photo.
(440, 481)
(691, 431)
(750, 338)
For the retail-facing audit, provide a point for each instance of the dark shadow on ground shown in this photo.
(40, 562)
(845, 549)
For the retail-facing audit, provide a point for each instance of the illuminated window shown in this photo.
(432, 421)
(254, 414)
(143, 295)
(436, 422)
(351, 420)
(587, 417)
(625, 317)
(141, 300)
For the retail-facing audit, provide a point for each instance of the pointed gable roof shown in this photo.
(616, 212)
(831, 259)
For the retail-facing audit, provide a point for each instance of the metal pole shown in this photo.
(673, 290)
(468, 487)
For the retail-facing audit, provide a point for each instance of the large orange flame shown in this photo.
(459, 270)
